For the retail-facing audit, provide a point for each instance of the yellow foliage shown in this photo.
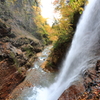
(81, 9)
(87, 2)
(11, 1)
(34, 7)
(68, 20)
(53, 38)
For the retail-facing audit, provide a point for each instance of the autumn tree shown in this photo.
(64, 29)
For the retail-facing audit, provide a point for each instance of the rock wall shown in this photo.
(18, 45)
(20, 14)
(9, 78)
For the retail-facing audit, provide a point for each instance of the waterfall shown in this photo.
(83, 53)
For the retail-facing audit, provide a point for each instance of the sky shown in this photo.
(47, 11)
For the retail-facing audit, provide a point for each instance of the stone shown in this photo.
(87, 88)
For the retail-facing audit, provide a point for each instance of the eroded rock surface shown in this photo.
(87, 89)
(18, 49)
(9, 78)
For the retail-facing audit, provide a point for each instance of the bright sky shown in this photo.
(47, 11)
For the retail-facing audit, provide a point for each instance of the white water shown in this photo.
(84, 52)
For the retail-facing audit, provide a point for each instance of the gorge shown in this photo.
(30, 70)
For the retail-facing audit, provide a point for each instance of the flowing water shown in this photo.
(83, 53)
(37, 77)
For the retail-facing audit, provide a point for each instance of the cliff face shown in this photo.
(20, 14)
(18, 42)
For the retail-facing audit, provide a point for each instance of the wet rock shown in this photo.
(13, 66)
(44, 64)
(9, 79)
(72, 92)
(49, 66)
(38, 54)
(18, 46)
(87, 89)
(38, 49)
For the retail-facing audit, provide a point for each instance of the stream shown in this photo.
(38, 78)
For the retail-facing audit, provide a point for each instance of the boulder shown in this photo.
(86, 89)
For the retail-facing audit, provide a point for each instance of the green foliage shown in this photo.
(29, 51)
(67, 24)
(42, 28)
(64, 29)
(15, 62)
(50, 64)
(13, 57)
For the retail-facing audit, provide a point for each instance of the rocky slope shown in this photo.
(18, 46)
(88, 88)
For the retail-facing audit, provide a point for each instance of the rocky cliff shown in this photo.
(19, 42)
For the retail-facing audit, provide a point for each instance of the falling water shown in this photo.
(84, 52)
